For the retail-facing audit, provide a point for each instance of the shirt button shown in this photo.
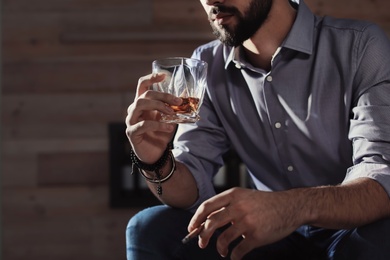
(238, 65)
(278, 125)
(290, 168)
(269, 78)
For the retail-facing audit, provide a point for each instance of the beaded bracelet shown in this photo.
(155, 167)
(149, 167)
(157, 179)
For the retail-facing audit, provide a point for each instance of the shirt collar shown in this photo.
(300, 37)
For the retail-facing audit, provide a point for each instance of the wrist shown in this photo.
(150, 167)
(163, 172)
(154, 173)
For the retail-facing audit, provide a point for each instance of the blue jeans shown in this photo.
(156, 233)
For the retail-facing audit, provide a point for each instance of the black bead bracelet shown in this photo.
(156, 167)
(149, 167)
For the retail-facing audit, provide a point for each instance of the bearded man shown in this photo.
(305, 102)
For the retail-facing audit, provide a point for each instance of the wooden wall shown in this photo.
(70, 68)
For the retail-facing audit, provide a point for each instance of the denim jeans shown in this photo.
(156, 233)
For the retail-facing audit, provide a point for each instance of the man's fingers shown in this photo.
(161, 96)
(207, 208)
(141, 105)
(214, 221)
(205, 235)
(144, 83)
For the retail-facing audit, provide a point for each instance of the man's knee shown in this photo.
(158, 226)
(150, 222)
(138, 230)
(142, 222)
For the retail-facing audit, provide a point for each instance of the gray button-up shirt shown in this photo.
(320, 116)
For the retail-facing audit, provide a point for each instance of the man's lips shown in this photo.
(221, 17)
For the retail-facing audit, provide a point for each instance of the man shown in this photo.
(305, 102)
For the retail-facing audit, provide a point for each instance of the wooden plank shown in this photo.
(31, 131)
(11, 6)
(26, 147)
(61, 109)
(18, 170)
(76, 168)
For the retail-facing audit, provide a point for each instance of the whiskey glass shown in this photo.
(185, 78)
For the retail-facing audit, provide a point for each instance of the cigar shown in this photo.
(193, 234)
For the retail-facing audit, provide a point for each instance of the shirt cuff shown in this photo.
(375, 171)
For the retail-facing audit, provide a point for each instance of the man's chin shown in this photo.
(224, 37)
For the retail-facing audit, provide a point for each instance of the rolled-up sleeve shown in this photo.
(370, 125)
(370, 132)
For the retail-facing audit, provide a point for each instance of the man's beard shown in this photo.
(247, 25)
